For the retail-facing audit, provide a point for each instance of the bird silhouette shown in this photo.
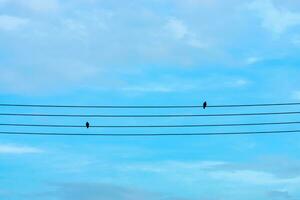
(204, 104)
(87, 124)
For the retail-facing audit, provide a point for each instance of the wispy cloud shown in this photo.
(149, 88)
(251, 174)
(92, 190)
(179, 31)
(253, 60)
(20, 80)
(279, 194)
(178, 166)
(33, 5)
(177, 28)
(176, 84)
(253, 177)
(10, 23)
(17, 149)
(240, 82)
(277, 20)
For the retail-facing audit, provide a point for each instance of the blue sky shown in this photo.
(143, 52)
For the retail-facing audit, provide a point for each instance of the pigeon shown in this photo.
(87, 124)
(204, 105)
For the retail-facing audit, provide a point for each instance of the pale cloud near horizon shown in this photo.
(189, 176)
(96, 190)
(215, 174)
(249, 173)
(253, 177)
(18, 149)
(168, 166)
(280, 194)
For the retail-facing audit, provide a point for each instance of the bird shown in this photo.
(87, 124)
(204, 104)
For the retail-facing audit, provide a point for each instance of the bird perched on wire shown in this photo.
(87, 124)
(204, 104)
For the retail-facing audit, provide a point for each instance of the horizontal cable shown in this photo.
(148, 106)
(253, 105)
(149, 126)
(150, 134)
(148, 116)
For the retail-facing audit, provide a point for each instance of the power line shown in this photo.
(148, 106)
(148, 126)
(253, 105)
(149, 134)
(46, 125)
(98, 106)
(148, 116)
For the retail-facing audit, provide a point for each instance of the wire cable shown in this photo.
(253, 105)
(147, 116)
(148, 106)
(149, 134)
(148, 126)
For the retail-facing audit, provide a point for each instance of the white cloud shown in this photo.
(178, 30)
(21, 80)
(253, 177)
(231, 173)
(94, 190)
(164, 86)
(15, 149)
(148, 88)
(194, 42)
(10, 23)
(34, 5)
(176, 84)
(238, 83)
(252, 60)
(38, 5)
(200, 2)
(85, 25)
(76, 28)
(169, 166)
(276, 20)
(279, 194)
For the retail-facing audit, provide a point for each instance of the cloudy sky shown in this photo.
(149, 52)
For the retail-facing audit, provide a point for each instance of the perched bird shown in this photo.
(204, 104)
(87, 124)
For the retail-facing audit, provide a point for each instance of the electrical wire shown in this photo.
(149, 134)
(147, 116)
(149, 106)
(148, 126)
